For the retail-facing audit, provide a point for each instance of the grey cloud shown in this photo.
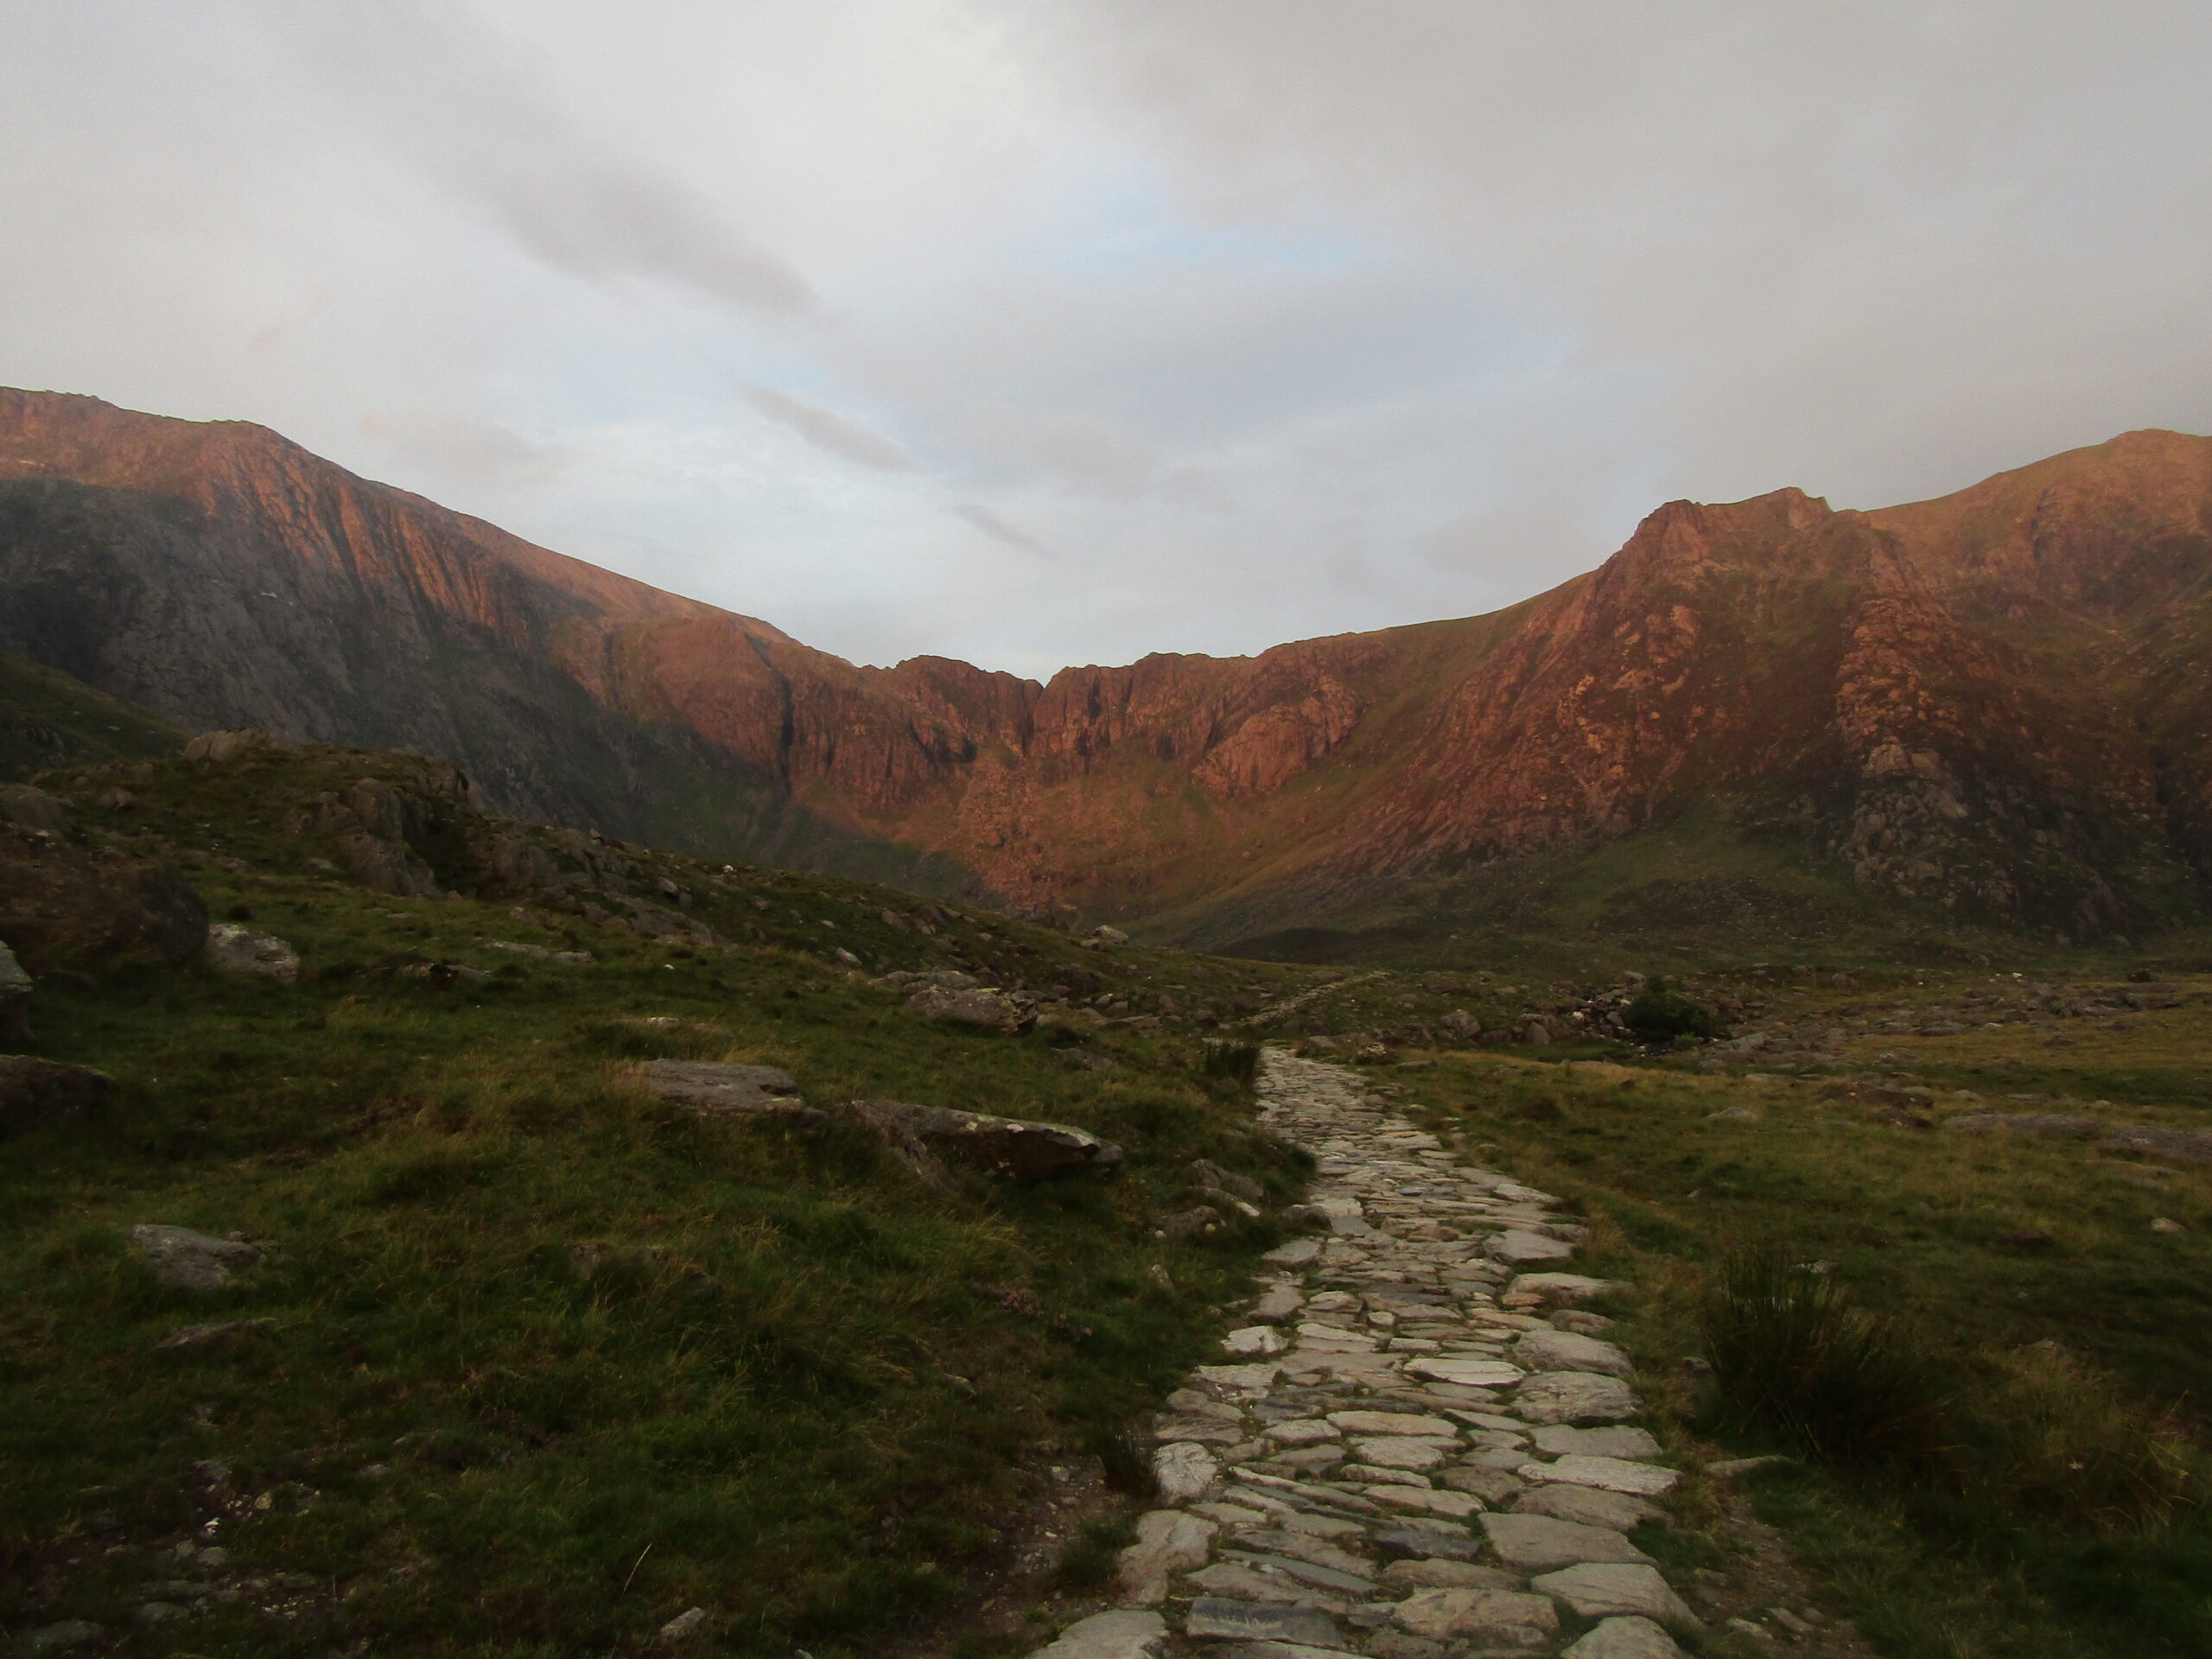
(1000, 531)
(828, 432)
(467, 114)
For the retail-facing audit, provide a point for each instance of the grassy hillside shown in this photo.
(466, 1415)
(48, 719)
(1710, 888)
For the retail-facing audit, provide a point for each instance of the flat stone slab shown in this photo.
(1561, 1289)
(1466, 1373)
(1609, 1474)
(1168, 1542)
(1624, 1639)
(1296, 1254)
(1219, 1618)
(1448, 1575)
(1255, 1341)
(1123, 1635)
(1591, 1506)
(1302, 1430)
(1575, 1397)
(1184, 1471)
(184, 1260)
(1482, 1619)
(1563, 1350)
(723, 1091)
(1397, 1453)
(1409, 1425)
(1427, 1541)
(1277, 1305)
(1560, 1440)
(1426, 1500)
(1238, 1382)
(1535, 1543)
(1517, 1249)
(1599, 1590)
(1237, 1581)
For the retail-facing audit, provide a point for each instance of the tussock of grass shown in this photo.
(1793, 1354)
(1237, 1063)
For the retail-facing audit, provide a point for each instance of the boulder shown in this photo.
(216, 747)
(1013, 1148)
(386, 864)
(33, 810)
(1105, 935)
(34, 1091)
(1574, 1397)
(60, 905)
(234, 948)
(16, 992)
(719, 1089)
(1462, 1025)
(980, 1006)
(184, 1260)
(1563, 1350)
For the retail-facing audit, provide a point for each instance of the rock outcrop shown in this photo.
(1991, 705)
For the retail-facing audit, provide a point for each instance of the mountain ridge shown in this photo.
(1993, 701)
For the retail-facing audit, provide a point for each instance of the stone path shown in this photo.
(1419, 1448)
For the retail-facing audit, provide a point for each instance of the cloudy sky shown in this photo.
(1041, 332)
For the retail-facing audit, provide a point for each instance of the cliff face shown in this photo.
(1995, 702)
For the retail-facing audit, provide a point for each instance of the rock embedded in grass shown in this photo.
(233, 947)
(35, 1091)
(981, 1006)
(185, 1260)
(722, 1089)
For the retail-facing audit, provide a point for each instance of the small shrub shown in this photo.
(1659, 1015)
(1793, 1355)
(1238, 1062)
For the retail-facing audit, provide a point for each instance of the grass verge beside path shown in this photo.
(2060, 1511)
(463, 1410)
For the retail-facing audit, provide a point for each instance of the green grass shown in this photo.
(2001, 1304)
(806, 1409)
(48, 719)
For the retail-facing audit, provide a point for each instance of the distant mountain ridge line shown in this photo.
(1994, 701)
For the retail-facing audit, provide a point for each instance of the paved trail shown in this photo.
(1421, 1449)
